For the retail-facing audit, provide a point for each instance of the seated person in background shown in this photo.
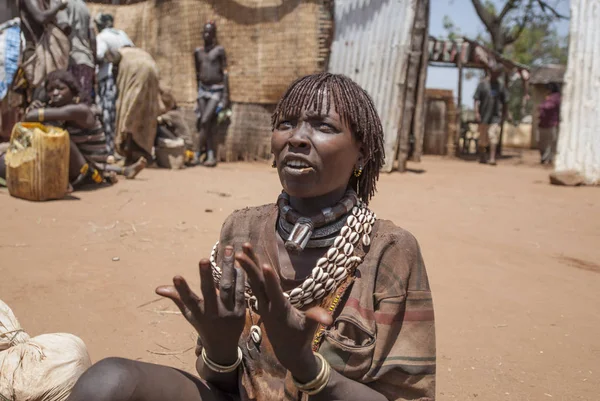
(172, 124)
(68, 110)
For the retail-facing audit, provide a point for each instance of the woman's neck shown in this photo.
(312, 206)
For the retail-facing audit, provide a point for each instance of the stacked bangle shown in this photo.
(316, 385)
(41, 115)
(215, 367)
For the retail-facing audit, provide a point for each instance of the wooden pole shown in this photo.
(453, 146)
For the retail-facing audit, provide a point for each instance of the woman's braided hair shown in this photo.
(357, 111)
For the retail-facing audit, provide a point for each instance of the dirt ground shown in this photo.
(514, 265)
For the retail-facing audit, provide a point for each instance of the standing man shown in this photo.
(83, 43)
(490, 98)
(108, 39)
(548, 124)
(213, 91)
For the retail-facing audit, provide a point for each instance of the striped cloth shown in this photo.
(383, 333)
(91, 143)
(10, 47)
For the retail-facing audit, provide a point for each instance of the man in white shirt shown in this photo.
(108, 38)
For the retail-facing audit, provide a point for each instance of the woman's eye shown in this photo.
(284, 125)
(323, 127)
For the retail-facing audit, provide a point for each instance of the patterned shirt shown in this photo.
(383, 333)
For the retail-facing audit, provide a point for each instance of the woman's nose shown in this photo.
(299, 137)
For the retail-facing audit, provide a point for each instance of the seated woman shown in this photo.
(171, 124)
(337, 305)
(88, 154)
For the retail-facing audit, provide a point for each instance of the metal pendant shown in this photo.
(300, 235)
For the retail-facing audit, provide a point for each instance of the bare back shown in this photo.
(210, 65)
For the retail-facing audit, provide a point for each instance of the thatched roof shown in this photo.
(548, 73)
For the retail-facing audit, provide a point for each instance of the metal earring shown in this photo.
(358, 171)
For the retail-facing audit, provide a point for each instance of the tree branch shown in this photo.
(510, 4)
(486, 17)
(544, 6)
(511, 37)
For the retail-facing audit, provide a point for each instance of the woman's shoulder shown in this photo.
(397, 254)
(249, 216)
(394, 236)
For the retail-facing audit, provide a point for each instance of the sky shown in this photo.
(464, 17)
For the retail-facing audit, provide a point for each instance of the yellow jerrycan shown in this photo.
(37, 162)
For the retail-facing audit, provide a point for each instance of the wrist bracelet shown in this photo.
(41, 115)
(215, 367)
(316, 385)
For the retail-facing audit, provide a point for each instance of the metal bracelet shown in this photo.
(215, 367)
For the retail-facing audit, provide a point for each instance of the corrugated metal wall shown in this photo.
(371, 45)
(579, 140)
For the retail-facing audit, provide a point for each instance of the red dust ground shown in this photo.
(514, 265)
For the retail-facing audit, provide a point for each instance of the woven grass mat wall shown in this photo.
(269, 43)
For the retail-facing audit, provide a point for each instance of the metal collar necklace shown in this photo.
(304, 227)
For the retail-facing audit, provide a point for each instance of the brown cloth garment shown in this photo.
(137, 103)
(383, 333)
(47, 47)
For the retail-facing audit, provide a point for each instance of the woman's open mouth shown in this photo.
(297, 167)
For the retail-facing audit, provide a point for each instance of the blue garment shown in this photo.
(10, 47)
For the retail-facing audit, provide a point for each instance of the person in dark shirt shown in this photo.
(490, 98)
(548, 124)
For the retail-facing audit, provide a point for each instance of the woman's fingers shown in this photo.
(255, 276)
(187, 296)
(315, 316)
(240, 289)
(207, 286)
(273, 288)
(228, 279)
(168, 291)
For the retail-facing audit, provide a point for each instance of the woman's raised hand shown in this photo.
(290, 331)
(218, 317)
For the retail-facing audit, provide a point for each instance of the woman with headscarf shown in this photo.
(108, 38)
(337, 305)
(137, 80)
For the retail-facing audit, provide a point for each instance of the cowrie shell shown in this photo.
(286, 295)
(354, 237)
(317, 273)
(348, 249)
(330, 268)
(322, 262)
(340, 274)
(366, 240)
(355, 211)
(319, 294)
(329, 284)
(362, 218)
(352, 220)
(367, 228)
(358, 228)
(324, 278)
(372, 219)
(318, 287)
(308, 284)
(295, 293)
(307, 301)
(345, 232)
(306, 295)
(341, 258)
(339, 242)
(256, 334)
(332, 254)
